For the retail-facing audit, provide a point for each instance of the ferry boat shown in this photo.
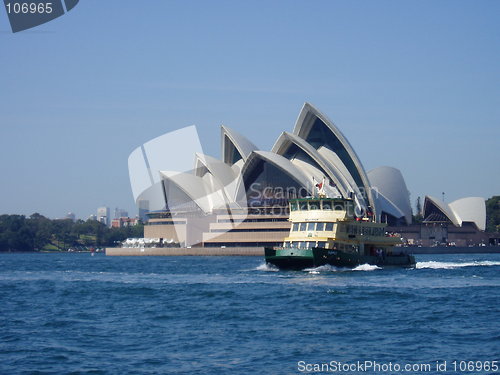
(326, 231)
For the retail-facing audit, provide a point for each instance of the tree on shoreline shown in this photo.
(493, 214)
(36, 232)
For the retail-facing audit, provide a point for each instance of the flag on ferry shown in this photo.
(318, 185)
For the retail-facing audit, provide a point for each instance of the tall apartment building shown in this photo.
(103, 215)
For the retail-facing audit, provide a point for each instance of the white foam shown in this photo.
(452, 265)
(330, 268)
(322, 269)
(366, 267)
(267, 267)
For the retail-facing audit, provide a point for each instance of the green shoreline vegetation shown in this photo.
(493, 214)
(19, 233)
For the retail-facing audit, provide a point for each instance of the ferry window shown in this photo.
(339, 206)
(302, 226)
(320, 226)
(295, 227)
(293, 206)
(314, 205)
(310, 226)
(329, 226)
(303, 206)
(293, 245)
(327, 205)
(322, 244)
(302, 245)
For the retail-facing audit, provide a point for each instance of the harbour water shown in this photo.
(83, 314)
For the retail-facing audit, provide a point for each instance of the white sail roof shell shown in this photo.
(304, 125)
(383, 204)
(471, 209)
(228, 178)
(203, 192)
(281, 146)
(443, 207)
(281, 163)
(389, 182)
(242, 144)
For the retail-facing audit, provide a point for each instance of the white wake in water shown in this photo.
(452, 265)
(322, 269)
(329, 268)
(267, 268)
(366, 267)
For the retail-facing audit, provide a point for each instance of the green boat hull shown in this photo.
(298, 259)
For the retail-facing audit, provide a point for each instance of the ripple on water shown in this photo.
(230, 315)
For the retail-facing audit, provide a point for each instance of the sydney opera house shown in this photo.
(241, 199)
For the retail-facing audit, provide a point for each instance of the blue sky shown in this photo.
(411, 84)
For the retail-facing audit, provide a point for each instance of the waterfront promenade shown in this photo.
(259, 251)
(182, 251)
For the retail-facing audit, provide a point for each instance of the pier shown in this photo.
(259, 251)
(183, 251)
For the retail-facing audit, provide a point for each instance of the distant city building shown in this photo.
(119, 212)
(71, 216)
(124, 222)
(92, 217)
(103, 215)
(143, 206)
